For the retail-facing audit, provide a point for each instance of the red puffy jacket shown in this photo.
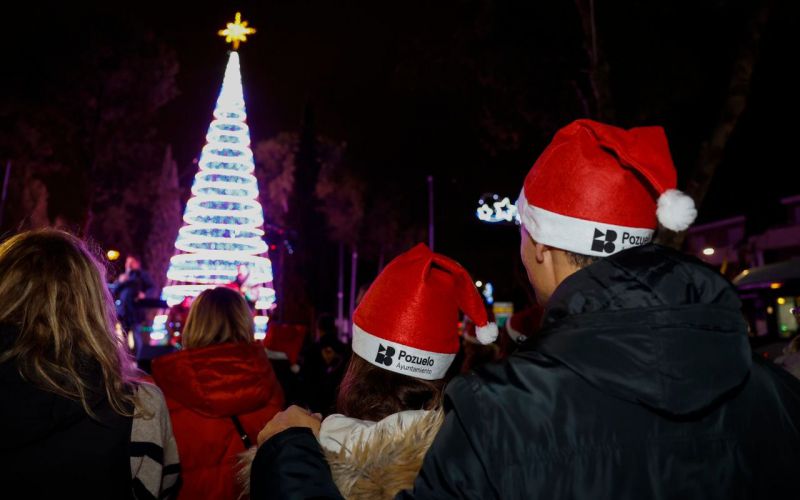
(204, 387)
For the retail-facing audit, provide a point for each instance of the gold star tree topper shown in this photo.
(237, 31)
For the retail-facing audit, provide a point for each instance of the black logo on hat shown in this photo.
(384, 355)
(604, 242)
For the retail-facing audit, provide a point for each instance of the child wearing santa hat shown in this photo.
(405, 338)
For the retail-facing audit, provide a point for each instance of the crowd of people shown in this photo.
(639, 383)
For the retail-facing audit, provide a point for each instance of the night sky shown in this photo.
(404, 84)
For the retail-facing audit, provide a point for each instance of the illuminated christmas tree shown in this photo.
(223, 231)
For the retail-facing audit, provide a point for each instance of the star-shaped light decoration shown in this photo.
(504, 210)
(485, 213)
(237, 31)
(495, 211)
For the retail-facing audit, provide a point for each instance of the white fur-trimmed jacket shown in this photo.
(376, 460)
(373, 460)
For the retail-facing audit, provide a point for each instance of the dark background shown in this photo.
(467, 91)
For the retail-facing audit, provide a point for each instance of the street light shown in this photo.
(708, 251)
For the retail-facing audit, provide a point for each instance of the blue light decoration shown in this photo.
(493, 209)
(223, 220)
(488, 293)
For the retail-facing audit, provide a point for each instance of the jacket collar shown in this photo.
(652, 326)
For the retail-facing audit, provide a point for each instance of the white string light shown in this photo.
(223, 218)
(497, 210)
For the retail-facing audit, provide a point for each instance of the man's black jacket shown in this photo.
(642, 386)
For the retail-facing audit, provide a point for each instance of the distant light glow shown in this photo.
(159, 327)
(775, 286)
(488, 293)
(497, 210)
(263, 303)
(223, 218)
(479, 283)
(112, 255)
(781, 301)
(260, 323)
(236, 31)
(119, 332)
(708, 251)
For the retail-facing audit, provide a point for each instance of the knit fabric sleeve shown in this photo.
(155, 466)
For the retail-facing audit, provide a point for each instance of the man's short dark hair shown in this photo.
(580, 259)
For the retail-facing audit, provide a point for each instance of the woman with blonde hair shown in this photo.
(220, 391)
(75, 420)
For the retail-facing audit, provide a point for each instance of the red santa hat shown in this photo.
(598, 189)
(284, 341)
(407, 321)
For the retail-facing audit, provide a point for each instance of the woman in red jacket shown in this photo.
(220, 391)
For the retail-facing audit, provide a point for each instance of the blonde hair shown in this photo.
(53, 290)
(218, 315)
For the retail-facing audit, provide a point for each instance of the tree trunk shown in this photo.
(4, 190)
(598, 65)
(340, 322)
(280, 292)
(381, 258)
(353, 272)
(430, 213)
(712, 150)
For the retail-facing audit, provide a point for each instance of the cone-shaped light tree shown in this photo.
(222, 235)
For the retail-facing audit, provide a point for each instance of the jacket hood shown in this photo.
(339, 432)
(652, 326)
(377, 465)
(217, 381)
(387, 461)
(29, 414)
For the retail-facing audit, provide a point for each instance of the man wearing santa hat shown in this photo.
(641, 383)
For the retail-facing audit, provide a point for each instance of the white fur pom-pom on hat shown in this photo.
(676, 210)
(487, 333)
